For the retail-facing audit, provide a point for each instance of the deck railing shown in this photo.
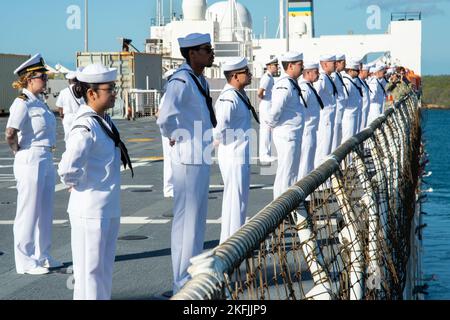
(348, 230)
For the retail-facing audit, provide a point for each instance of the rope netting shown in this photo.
(342, 232)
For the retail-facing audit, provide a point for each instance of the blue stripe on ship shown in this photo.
(300, 9)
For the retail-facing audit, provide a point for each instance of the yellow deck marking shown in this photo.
(159, 158)
(141, 140)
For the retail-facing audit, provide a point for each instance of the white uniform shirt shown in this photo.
(267, 83)
(377, 95)
(287, 109)
(184, 117)
(324, 87)
(34, 120)
(233, 124)
(67, 101)
(312, 113)
(354, 100)
(339, 83)
(366, 101)
(91, 165)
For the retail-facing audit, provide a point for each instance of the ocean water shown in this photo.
(436, 254)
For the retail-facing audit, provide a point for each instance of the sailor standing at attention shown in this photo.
(31, 135)
(90, 167)
(187, 118)
(312, 118)
(377, 92)
(327, 90)
(287, 120)
(68, 104)
(363, 75)
(352, 111)
(265, 94)
(234, 112)
(167, 165)
(341, 99)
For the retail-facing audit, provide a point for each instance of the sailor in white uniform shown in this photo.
(234, 112)
(312, 118)
(363, 75)
(68, 104)
(327, 90)
(377, 92)
(265, 94)
(287, 120)
(90, 167)
(352, 111)
(167, 166)
(341, 99)
(31, 134)
(186, 118)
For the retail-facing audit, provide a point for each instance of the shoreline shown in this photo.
(435, 106)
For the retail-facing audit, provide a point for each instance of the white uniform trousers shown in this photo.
(325, 135)
(35, 176)
(167, 178)
(265, 133)
(236, 178)
(337, 130)
(375, 111)
(288, 150)
(93, 253)
(350, 125)
(191, 188)
(308, 152)
(364, 116)
(68, 120)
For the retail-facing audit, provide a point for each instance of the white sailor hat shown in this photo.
(353, 65)
(73, 74)
(327, 58)
(291, 56)
(97, 73)
(340, 57)
(168, 73)
(35, 63)
(377, 68)
(309, 65)
(272, 61)
(235, 64)
(365, 67)
(194, 39)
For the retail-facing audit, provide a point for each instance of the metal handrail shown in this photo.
(208, 269)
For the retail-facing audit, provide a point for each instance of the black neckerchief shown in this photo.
(113, 133)
(335, 92)
(319, 99)
(248, 104)
(364, 83)
(73, 96)
(359, 89)
(297, 87)
(342, 82)
(208, 99)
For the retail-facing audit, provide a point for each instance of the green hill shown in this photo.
(436, 90)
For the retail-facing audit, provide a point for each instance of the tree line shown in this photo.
(436, 91)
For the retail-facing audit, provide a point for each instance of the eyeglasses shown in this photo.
(246, 71)
(111, 89)
(43, 77)
(207, 49)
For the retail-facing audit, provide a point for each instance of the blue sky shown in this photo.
(29, 26)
